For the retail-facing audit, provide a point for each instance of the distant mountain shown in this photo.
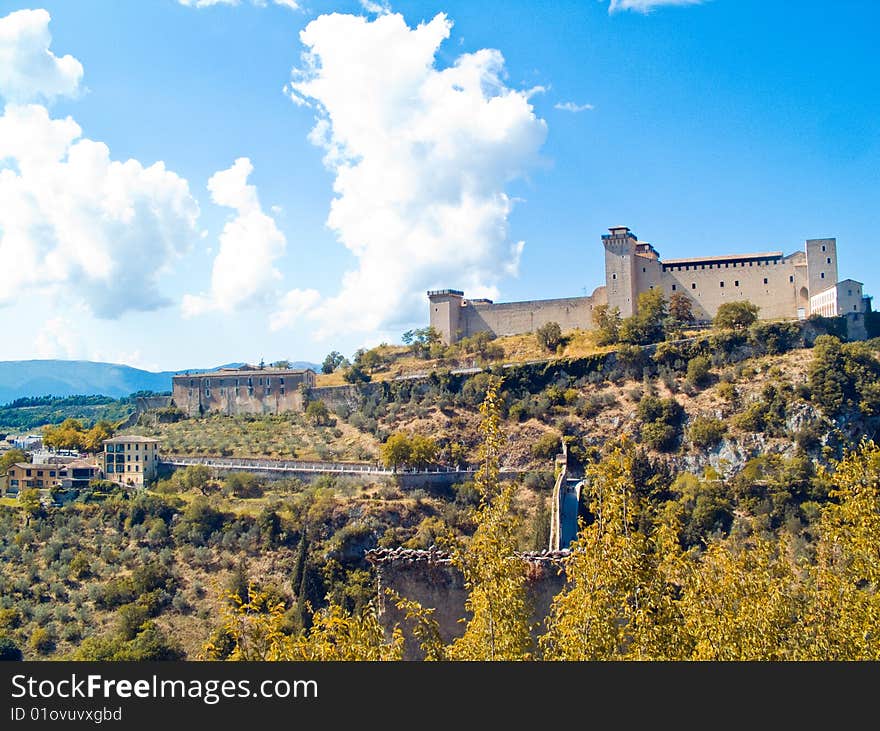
(20, 378)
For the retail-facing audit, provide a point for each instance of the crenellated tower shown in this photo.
(620, 269)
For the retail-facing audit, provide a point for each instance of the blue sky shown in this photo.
(482, 146)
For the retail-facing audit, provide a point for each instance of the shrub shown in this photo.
(698, 371)
(9, 650)
(42, 641)
(706, 432)
(549, 336)
(546, 446)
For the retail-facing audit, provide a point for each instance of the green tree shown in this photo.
(647, 325)
(408, 450)
(549, 336)
(395, 452)
(69, 434)
(699, 371)
(681, 309)
(735, 315)
(333, 361)
(607, 321)
(93, 440)
(29, 499)
(10, 458)
(318, 413)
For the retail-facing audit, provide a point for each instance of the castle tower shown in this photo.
(445, 313)
(821, 264)
(620, 272)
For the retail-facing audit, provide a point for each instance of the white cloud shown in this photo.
(78, 223)
(292, 4)
(59, 338)
(242, 274)
(573, 107)
(73, 221)
(292, 307)
(421, 157)
(646, 6)
(377, 8)
(29, 71)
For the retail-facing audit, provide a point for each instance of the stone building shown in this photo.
(245, 390)
(782, 286)
(131, 460)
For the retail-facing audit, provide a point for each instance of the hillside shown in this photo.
(726, 431)
(31, 378)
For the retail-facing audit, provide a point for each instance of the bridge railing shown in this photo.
(309, 466)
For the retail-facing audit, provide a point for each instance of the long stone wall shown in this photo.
(511, 318)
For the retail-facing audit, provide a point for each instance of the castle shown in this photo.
(783, 287)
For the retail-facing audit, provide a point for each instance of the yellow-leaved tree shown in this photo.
(841, 619)
(494, 576)
(618, 603)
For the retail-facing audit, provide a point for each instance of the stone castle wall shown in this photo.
(779, 285)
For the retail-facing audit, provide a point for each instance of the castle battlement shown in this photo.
(783, 287)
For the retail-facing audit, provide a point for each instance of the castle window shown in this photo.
(673, 287)
(693, 285)
(736, 283)
(854, 307)
(644, 270)
(823, 247)
(721, 283)
(828, 260)
(849, 292)
(822, 275)
(614, 276)
(282, 390)
(790, 278)
(765, 280)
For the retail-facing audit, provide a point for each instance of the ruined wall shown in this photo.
(429, 578)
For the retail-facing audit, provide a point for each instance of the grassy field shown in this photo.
(285, 436)
(515, 348)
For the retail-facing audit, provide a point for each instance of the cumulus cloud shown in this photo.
(59, 338)
(421, 156)
(572, 107)
(29, 71)
(72, 220)
(646, 6)
(292, 307)
(292, 4)
(76, 221)
(242, 274)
